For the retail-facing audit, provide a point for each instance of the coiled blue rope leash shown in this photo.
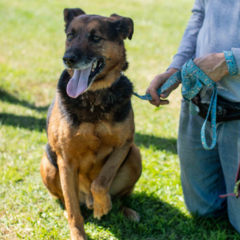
(193, 79)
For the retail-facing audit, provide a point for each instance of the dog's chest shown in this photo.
(110, 104)
(94, 141)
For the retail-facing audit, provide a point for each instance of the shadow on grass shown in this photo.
(27, 122)
(159, 220)
(7, 97)
(168, 144)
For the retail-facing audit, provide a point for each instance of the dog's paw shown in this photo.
(102, 205)
(131, 214)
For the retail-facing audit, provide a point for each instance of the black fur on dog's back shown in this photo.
(111, 104)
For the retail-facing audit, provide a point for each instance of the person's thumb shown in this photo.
(169, 90)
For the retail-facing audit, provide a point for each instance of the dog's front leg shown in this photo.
(100, 186)
(69, 182)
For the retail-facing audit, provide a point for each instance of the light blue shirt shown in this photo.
(214, 27)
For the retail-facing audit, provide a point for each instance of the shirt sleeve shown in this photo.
(187, 46)
(236, 54)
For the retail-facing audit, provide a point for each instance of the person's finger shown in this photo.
(164, 102)
(157, 82)
(155, 96)
(154, 103)
(169, 90)
(148, 90)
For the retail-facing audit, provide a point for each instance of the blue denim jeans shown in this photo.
(205, 174)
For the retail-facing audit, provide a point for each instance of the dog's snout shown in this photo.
(69, 60)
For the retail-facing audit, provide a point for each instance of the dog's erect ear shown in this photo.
(70, 13)
(124, 26)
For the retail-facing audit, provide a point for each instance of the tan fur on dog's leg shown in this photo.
(50, 178)
(65, 214)
(70, 185)
(85, 185)
(100, 186)
(125, 179)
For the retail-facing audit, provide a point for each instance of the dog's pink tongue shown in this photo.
(79, 82)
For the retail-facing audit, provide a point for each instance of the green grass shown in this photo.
(32, 45)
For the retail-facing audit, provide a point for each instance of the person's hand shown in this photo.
(156, 83)
(213, 65)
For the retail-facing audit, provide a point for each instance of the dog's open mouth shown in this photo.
(97, 66)
(82, 79)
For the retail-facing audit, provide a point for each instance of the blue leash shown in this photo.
(193, 79)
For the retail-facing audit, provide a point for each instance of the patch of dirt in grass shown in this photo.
(7, 232)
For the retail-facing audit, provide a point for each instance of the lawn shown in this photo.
(32, 46)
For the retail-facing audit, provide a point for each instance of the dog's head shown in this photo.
(94, 49)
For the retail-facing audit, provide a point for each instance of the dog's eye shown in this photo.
(70, 37)
(96, 39)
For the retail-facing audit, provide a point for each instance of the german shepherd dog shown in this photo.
(90, 156)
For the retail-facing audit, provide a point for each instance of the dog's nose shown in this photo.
(69, 60)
